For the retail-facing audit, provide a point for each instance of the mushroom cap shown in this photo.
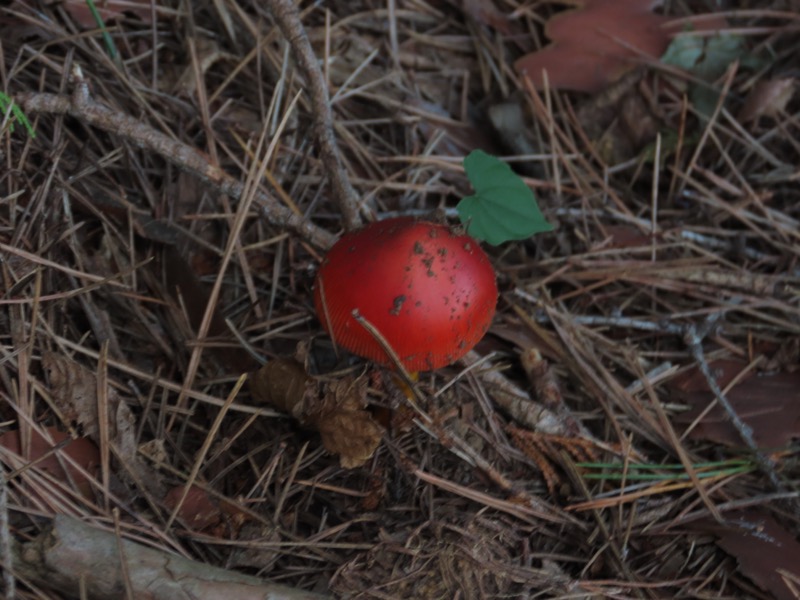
(430, 293)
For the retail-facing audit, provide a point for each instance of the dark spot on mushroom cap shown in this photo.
(397, 305)
(428, 262)
(418, 249)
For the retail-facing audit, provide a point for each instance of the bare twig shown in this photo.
(288, 19)
(81, 106)
(693, 337)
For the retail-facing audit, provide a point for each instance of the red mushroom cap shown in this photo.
(430, 292)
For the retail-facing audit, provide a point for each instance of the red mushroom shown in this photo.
(429, 292)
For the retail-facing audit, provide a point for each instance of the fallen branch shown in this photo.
(288, 18)
(80, 560)
(692, 336)
(82, 107)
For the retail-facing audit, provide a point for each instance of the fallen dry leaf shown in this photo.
(41, 451)
(199, 510)
(155, 451)
(284, 384)
(346, 428)
(762, 547)
(768, 98)
(724, 371)
(598, 41)
(625, 236)
(74, 390)
(595, 44)
(769, 403)
(336, 410)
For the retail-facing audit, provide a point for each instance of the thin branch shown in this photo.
(82, 107)
(288, 18)
(693, 337)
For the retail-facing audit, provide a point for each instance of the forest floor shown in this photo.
(628, 426)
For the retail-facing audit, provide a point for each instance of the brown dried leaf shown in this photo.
(768, 97)
(283, 383)
(770, 404)
(352, 434)
(337, 413)
(376, 488)
(345, 394)
(346, 428)
(599, 41)
(199, 510)
(693, 380)
(596, 44)
(763, 548)
(81, 450)
(155, 451)
(786, 357)
(74, 392)
(625, 236)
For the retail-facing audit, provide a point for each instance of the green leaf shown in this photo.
(707, 59)
(503, 207)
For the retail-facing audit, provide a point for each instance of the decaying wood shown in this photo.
(70, 555)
